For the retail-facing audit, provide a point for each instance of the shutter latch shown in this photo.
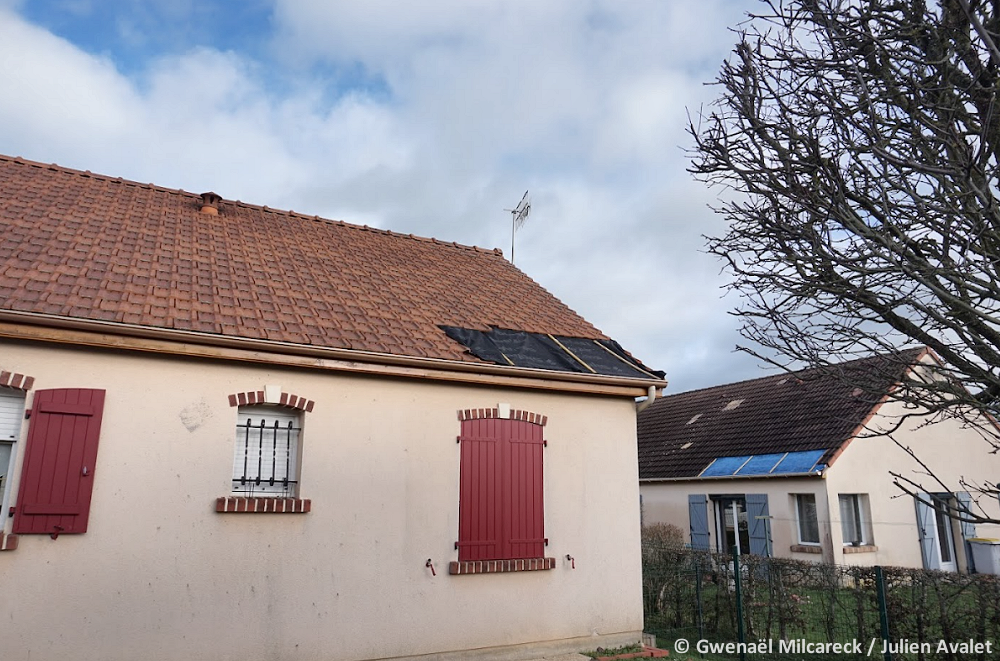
(58, 529)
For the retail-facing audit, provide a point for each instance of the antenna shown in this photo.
(518, 215)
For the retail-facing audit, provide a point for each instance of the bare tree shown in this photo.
(859, 143)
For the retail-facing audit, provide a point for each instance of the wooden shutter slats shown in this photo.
(501, 509)
(59, 461)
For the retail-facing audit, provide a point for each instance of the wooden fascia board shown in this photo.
(25, 326)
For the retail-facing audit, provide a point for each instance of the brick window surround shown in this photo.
(266, 504)
(257, 397)
(262, 505)
(479, 414)
(17, 381)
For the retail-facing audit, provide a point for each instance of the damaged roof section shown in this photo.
(87, 247)
(551, 352)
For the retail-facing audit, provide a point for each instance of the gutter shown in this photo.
(771, 476)
(644, 404)
(115, 335)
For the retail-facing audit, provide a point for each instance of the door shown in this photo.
(934, 527)
(945, 534)
(731, 524)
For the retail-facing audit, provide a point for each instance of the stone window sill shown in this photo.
(499, 566)
(806, 548)
(866, 548)
(257, 505)
(8, 542)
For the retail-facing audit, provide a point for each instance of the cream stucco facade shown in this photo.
(160, 575)
(955, 453)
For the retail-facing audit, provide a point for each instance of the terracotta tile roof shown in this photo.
(88, 246)
(680, 435)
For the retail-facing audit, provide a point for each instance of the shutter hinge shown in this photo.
(10, 512)
(546, 540)
(545, 444)
(456, 546)
(458, 439)
(27, 414)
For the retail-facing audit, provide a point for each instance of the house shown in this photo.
(792, 466)
(233, 432)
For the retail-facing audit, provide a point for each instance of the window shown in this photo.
(808, 523)
(854, 519)
(501, 509)
(11, 414)
(266, 459)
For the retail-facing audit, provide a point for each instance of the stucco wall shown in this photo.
(951, 451)
(160, 575)
(667, 502)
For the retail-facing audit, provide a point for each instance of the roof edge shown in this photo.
(727, 478)
(55, 167)
(178, 339)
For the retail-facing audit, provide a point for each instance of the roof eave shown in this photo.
(88, 332)
(695, 478)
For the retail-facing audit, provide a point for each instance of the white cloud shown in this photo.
(583, 103)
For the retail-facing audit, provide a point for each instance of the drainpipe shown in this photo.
(644, 404)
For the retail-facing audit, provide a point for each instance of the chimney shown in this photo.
(210, 203)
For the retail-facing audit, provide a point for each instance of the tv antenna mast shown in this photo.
(518, 215)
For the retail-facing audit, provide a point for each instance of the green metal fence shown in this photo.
(750, 607)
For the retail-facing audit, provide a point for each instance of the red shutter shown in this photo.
(479, 534)
(501, 510)
(525, 516)
(58, 473)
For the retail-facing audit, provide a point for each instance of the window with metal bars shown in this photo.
(266, 461)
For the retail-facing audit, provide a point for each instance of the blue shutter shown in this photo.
(698, 513)
(927, 531)
(758, 524)
(968, 527)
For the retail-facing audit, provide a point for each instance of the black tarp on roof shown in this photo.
(550, 352)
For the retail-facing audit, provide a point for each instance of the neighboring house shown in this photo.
(788, 466)
(231, 432)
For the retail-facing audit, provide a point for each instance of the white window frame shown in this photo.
(14, 402)
(858, 504)
(799, 519)
(284, 456)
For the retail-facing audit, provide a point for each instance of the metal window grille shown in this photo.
(266, 458)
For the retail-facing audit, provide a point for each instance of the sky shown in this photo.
(427, 117)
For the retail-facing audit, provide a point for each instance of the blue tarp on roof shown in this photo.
(785, 463)
(799, 462)
(761, 464)
(724, 466)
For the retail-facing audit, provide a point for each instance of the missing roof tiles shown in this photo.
(693, 419)
(733, 404)
(686, 445)
(550, 352)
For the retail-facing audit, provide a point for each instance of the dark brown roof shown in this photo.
(82, 245)
(680, 435)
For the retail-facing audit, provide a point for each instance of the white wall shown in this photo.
(667, 502)
(160, 575)
(952, 451)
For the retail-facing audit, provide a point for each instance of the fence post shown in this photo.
(883, 612)
(739, 603)
(697, 594)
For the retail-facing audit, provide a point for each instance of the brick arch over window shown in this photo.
(480, 414)
(257, 397)
(17, 381)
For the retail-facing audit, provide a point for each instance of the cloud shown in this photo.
(429, 118)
